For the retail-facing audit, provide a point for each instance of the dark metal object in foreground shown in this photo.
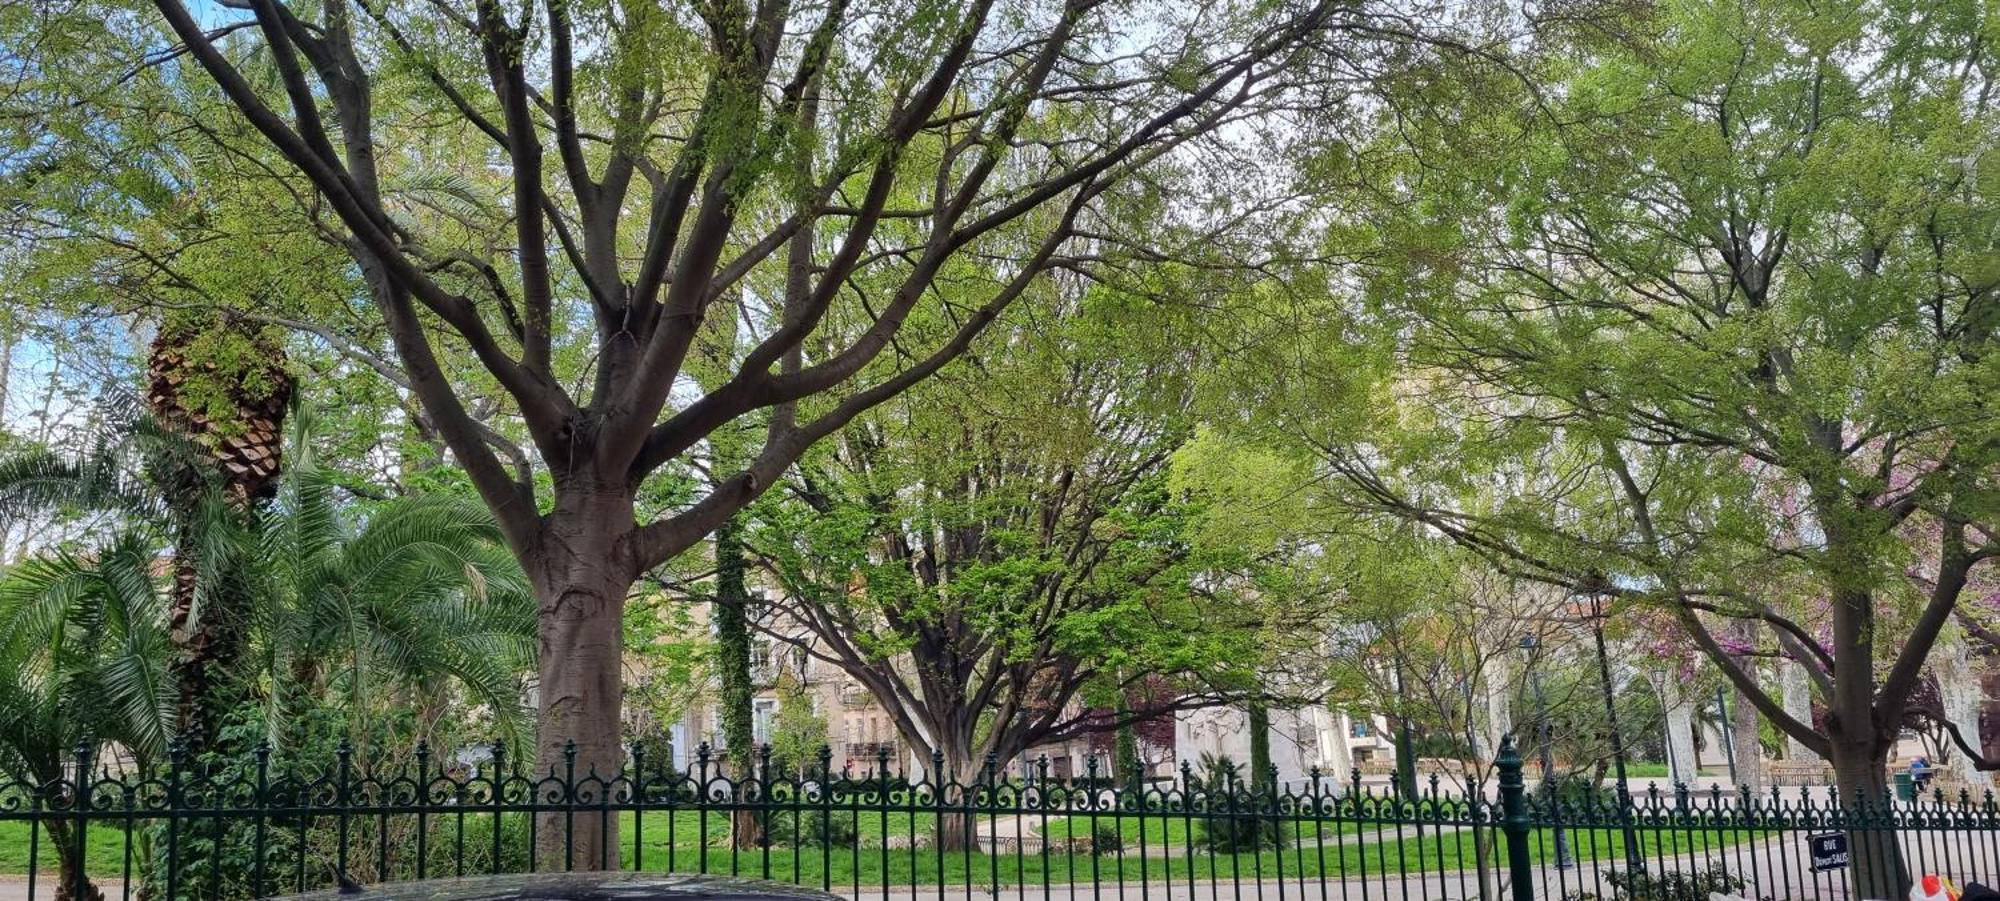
(578, 887)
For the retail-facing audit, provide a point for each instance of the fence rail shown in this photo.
(254, 829)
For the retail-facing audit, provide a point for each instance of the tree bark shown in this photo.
(243, 456)
(68, 864)
(1858, 737)
(581, 572)
(1745, 726)
(1498, 718)
(1336, 754)
(1745, 733)
(1861, 771)
(207, 648)
(1797, 698)
(1682, 765)
(1963, 695)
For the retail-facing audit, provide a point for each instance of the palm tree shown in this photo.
(415, 592)
(221, 385)
(357, 607)
(83, 662)
(140, 473)
(418, 597)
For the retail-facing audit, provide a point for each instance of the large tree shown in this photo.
(1706, 325)
(812, 170)
(998, 558)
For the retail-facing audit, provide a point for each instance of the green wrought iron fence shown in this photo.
(254, 829)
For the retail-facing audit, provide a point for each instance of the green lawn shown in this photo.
(1170, 830)
(687, 841)
(680, 827)
(104, 847)
(1340, 857)
(1643, 770)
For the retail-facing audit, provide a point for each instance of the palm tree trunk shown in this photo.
(69, 864)
(222, 384)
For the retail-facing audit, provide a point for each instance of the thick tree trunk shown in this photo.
(1746, 734)
(1797, 701)
(244, 447)
(1861, 771)
(1963, 695)
(955, 771)
(581, 575)
(1682, 765)
(209, 646)
(1745, 726)
(957, 829)
(1858, 738)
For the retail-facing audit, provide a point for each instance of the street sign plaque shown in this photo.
(1828, 849)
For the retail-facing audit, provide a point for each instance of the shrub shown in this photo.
(1235, 824)
(1242, 833)
(810, 828)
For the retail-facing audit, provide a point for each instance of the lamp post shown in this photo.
(1529, 644)
(1634, 860)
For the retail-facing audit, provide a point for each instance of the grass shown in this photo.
(1170, 830)
(688, 841)
(680, 827)
(104, 849)
(1645, 770)
(1435, 854)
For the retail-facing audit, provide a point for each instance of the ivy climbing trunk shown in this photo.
(1259, 723)
(1131, 769)
(732, 666)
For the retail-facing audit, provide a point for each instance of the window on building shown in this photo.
(762, 713)
(1358, 729)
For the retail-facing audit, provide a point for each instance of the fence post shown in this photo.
(176, 759)
(81, 807)
(343, 763)
(1514, 823)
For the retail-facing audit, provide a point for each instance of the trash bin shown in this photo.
(1906, 787)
